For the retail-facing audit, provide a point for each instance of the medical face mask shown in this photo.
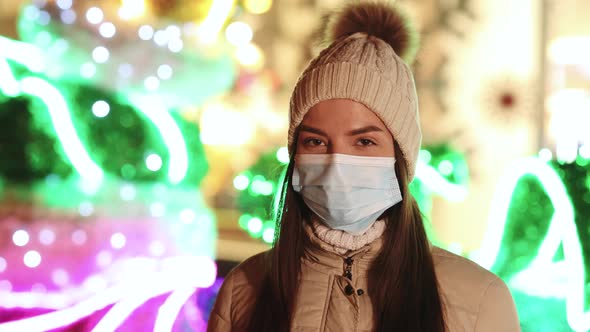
(346, 192)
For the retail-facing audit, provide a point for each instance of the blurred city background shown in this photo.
(141, 142)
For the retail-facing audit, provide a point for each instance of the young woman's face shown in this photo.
(346, 127)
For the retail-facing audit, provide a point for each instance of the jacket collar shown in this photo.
(321, 254)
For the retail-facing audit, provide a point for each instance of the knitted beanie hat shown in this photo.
(365, 63)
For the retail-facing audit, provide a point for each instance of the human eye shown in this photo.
(365, 142)
(312, 141)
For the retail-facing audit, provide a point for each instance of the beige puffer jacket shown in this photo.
(474, 299)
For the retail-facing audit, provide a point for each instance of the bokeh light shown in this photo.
(118, 240)
(101, 109)
(32, 258)
(20, 238)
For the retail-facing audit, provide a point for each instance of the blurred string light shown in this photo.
(564, 279)
(46, 236)
(68, 16)
(125, 70)
(94, 15)
(175, 45)
(128, 192)
(153, 162)
(569, 121)
(132, 9)
(255, 225)
(152, 83)
(283, 155)
(161, 38)
(104, 258)
(436, 183)
(223, 126)
(170, 133)
(218, 14)
(571, 50)
(239, 33)
(118, 240)
(107, 30)
(101, 109)
(64, 4)
(32, 258)
(88, 70)
(165, 72)
(158, 277)
(187, 216)
(59, 113)
(76, 153)
(44, 18)
(250, 56)
(86, 209)
(268, 235)
(60, 277)
(20, 238)
(79, 237)
(8, 85)
(258, 6)
(145, 32)
(22, 53)
(170, 309)
(100, 54)
(545, 155)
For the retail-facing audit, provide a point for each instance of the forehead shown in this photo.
(341, 113)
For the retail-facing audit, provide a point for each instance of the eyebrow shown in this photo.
(353, 132)
(313, 130)
(364, 130)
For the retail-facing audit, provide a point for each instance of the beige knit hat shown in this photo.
(365, 63)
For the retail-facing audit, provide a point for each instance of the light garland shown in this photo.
(543, 276)
(175, 275)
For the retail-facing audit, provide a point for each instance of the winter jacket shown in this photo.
(473, 298)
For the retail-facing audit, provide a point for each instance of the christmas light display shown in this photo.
(536, 241)
(101, 209)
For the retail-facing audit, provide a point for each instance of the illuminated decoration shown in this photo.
(65, 128)
(80, 287)
(111, 44)
(440, 171)
(570, 50)
(222, 125)
(214, 21)
(106, 164)
(534, 241)
(180, 276)
(258, 187)
(507, 99)
(569, 121)
(258, 6)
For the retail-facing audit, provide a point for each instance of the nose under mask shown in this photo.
(346, 192)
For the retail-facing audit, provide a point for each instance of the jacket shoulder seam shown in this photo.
(482, 299)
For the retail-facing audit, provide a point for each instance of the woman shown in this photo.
(351, 252)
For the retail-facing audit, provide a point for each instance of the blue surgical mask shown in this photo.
(346, 192)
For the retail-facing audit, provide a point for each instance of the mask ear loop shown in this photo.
(305, 211)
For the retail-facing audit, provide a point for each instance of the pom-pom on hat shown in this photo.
(371, 44)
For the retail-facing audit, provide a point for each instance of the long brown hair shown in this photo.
(402, 281)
